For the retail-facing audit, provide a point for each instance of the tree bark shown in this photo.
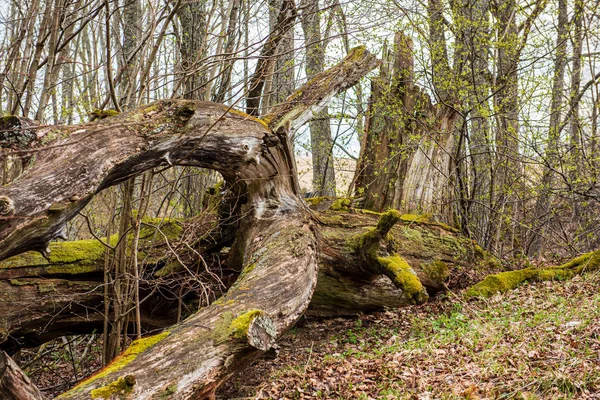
(406, 148)
(285, 22)
(192, 358)
(192, 49)
(542, 211)
(321, 142)
(14, 384)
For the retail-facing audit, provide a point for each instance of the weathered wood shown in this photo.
(276, 245)
(316, 94)
(14, 384)
(406, 151)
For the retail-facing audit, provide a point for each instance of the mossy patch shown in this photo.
(244, 115)
(83, 252)
(102, 114)
(425, 219)
(69, 252)
(17, 282)
(387, 220)
(342, 204)
(404, 277)
(437, 271)
(586, 262)
(82, 256)
(246, 270)
(170, 227)
(315, 201)
(505, 281)
(135, 349)
(120, 387)
(419, 218)
(500, 283)
(237, 327)
(365, 211)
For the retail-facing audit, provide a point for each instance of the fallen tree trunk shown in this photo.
(276, 245)
(14, 384)
(62, 295)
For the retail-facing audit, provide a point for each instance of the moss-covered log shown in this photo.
(276, 244)
(45, 298)
(505, 281)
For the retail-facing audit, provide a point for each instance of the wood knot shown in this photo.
(184, 113)
(129, 380)
(271, 140)
(6, 205)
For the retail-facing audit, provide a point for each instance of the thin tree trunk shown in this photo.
(321, 142)
(542, 212)
(229, 56)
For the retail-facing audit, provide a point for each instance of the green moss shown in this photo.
(438, 271)
(120, 387)
(404, 277)
(332, 219)
(505, 281)
(102, 114)
(234, 327)
(242, 114)
(16, 282)
(554, 274)
(69, 252)
(413, 235)
(238, 328)
(586, 262)
(365, 211)
(500, 283)
(357, 243)
(135, 349)
(81, 256)
(246, 270)
(69, 269)
(220, 332)
(387, 221)
(356, 53)
(368, 243)
(83, 252)
(170, 227)
(315, 201)
(425, 219)
(342, 204)
(420, 218)
(46, 288)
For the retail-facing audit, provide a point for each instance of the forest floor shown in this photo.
(540, 341)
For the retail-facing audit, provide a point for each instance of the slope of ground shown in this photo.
(540, 341)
